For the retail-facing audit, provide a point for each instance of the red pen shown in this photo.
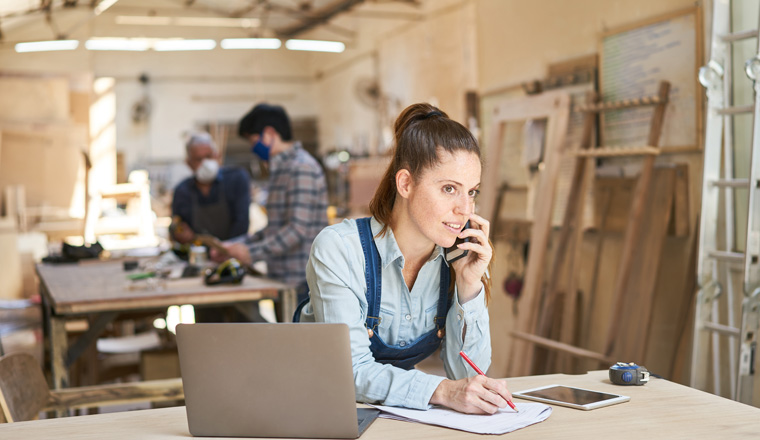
(475, 367)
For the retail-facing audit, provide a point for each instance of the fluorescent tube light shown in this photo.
(133, 44)
(251, 43)
(316, 45)
(217, 22)
(149, 20)
(178, 44)
(43, 46)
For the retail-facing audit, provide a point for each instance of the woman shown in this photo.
(387, 278)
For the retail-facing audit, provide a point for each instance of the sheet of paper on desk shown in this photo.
(505, 420)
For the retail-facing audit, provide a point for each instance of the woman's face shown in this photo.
(443, 197)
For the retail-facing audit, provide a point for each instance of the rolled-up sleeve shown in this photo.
(477, 339)
(335, 274)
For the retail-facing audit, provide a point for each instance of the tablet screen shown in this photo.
(575, 396)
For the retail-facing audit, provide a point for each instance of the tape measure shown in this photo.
(628, 374)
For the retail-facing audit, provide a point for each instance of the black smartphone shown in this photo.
(453, 253)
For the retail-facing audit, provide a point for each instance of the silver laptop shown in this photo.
(270, 380)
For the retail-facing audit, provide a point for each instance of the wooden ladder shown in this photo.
(538, 327)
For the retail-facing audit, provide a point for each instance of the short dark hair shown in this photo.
(265, 115)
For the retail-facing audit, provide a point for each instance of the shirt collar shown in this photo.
(285, 156)
(387, 246)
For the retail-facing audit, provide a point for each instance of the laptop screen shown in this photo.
(268, 380)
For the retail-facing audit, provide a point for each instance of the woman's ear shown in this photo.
(404, 182)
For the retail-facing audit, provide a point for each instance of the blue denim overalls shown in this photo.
(409, 355)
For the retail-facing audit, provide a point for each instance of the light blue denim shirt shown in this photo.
(335, 273)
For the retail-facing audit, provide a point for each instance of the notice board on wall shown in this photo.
(634, 59)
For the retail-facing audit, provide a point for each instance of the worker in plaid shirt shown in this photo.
(296, 203)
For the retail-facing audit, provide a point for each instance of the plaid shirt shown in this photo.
(296, 210)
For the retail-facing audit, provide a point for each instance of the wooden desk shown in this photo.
(658, 410)
(102, 289)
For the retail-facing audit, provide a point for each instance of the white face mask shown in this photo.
(207, 172)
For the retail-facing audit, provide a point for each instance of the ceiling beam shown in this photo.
(320, 17)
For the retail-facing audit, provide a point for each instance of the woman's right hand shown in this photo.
(472, 395)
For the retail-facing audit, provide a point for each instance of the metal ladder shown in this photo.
(717, 296)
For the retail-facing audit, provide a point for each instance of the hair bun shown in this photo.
(431, 114)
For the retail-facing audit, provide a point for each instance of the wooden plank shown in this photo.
(546, 105)
(555, 107)
(567, 348)
(570, 318)
(634, 229)
(568, 238)
(103, 286)
(611, 211)
(116, 394)
(621, 193)
(593, 299)
(685, 319)
(638, 297)
(491, 178)
(680, 219)
(539, 240)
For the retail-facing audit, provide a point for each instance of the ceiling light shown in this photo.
(179, 44)
(42, 46)
(251, 43)
(316, 45)
(217, 22)
(135, 44)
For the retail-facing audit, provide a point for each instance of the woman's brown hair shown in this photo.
(420, 131)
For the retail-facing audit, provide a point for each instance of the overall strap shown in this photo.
(372, 274)
(444, 302)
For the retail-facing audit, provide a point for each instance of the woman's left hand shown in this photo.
(471, 268)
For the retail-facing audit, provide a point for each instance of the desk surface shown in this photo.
(103, 286)
(658, 410)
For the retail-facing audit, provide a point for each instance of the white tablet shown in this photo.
(578, 398)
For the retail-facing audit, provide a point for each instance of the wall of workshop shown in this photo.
(458, 46)
(516, 42)
(431, 59)
(190, 89)
(186, 89)
(348, 121)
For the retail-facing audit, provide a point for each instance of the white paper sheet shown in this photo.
(505, 420)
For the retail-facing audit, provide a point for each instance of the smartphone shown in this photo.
(453, 253)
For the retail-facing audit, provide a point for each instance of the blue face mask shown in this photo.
(261, 150)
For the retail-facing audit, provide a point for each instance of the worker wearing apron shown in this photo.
(388, 279)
